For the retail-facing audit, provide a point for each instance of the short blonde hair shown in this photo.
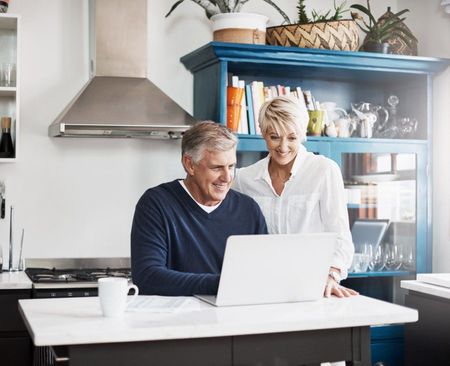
(207, 136)
(282, 114)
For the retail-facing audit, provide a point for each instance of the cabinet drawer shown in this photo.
(10, 319)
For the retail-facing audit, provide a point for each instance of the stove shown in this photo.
(73, 277)
(69, 277)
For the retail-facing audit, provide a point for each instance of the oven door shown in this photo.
(45, 293)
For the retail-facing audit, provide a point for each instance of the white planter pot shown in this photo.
(239, 28)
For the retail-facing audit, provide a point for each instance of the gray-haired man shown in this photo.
(180, 228)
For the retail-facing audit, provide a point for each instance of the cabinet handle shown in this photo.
(62, 357)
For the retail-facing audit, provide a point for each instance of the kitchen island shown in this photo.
(186, 331)
(427, 342)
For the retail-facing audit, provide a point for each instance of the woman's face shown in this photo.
(282, 147)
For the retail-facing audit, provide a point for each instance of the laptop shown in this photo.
(267, 269)
(369, 231)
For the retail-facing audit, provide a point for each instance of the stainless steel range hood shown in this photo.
(121, 107)
(118, 100)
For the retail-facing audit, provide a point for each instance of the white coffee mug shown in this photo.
(113, 295)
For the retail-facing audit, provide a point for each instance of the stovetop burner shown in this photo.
(54, 275)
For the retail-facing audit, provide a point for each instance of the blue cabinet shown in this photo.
(385, 178)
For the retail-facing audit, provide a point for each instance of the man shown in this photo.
(180, 228)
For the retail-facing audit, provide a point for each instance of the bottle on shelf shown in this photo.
(4, 6)
(6, 144)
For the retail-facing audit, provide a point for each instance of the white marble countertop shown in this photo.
(14, 280)
(79, 320)
(426, 288)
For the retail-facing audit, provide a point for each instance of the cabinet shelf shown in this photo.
(256, 142)
(7, 91)
(9, 95)
(267, 58)
(380, 274)
(7, 160)
(8, 21)
(361, 205)
(377, 178)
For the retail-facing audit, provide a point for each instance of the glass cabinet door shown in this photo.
(382, 204)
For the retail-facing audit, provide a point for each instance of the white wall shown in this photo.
(75, 197)
(187, 29)
(432, 26)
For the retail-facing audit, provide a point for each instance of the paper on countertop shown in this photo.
(165, 304)
(437, 279)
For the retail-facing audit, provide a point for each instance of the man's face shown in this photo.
(210, 179)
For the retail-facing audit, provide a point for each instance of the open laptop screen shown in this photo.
(264, 269)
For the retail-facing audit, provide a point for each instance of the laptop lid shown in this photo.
(264, 269)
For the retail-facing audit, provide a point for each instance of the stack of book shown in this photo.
(244, 101)
(235, 104)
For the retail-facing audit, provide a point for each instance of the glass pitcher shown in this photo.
(375, 114)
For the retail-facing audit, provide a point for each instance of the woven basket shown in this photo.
(396, 44)
(339, 35)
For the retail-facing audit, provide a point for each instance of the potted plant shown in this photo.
(229, 24)
(327, 31)
(378, 33)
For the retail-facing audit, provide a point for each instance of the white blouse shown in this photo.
(313, 200)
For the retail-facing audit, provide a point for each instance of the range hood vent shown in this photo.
(118, 100)
(121, 107)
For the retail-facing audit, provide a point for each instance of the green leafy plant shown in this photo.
(316, 16)
(213, 7)
(382, 30)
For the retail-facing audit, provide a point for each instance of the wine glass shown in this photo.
(377, 259)
(393, 257)
(408, 262)
(361, 259)
(407, 126)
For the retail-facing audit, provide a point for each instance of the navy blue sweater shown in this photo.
(177, 248)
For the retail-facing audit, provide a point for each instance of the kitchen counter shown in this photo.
(426, 288)
(427, 341)
(340, 323)
(82, 322)
(14, 281)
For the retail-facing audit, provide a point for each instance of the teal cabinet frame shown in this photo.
(423, 186)
(342, 77)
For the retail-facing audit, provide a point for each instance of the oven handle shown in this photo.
(62, 357)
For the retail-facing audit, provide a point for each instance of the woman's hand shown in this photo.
(334, 288)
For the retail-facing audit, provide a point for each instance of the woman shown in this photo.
(297, 190)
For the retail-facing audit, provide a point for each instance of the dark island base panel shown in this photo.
(15, 343)
(427, 342)
(287, 349)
